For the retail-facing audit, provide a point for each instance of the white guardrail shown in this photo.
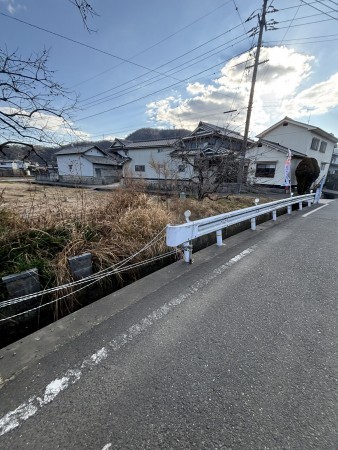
(183, 234)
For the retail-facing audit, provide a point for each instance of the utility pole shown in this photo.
(262, 25)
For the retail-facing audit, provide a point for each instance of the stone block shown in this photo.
(22, 283)
(81, 266)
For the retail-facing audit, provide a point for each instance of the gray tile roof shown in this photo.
(210, 128)
(76, 150)
(103, 160)
(128, 145)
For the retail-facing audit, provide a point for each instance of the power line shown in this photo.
(164, 64)
(289, 42)
(334, 10)
(290, 24)
(299, 18)
(240, 18)
(296, 6)
(163, 89)
(309, 37)
(180, 68)
(327, 14)
(304, 24)
(74, 41)
(157, 43)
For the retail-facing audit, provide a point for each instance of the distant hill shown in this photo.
(43, 155)
(144, 134)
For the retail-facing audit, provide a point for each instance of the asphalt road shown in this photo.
(239, 352)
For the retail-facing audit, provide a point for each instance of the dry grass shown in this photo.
(44, 226)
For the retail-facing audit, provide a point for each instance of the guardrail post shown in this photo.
(187, 251)
(300, 204)
(289, 209)
(253, 223)
(309, 202)
(274, 215)
(219, 238)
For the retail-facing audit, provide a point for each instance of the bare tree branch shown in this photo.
(86, 10)
(208, 168)
(30, 150)
(32, 105)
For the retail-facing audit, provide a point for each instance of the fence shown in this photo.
(183, 234)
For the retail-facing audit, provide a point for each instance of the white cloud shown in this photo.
(109, 137)
(319, 98)
(279, 91)
(50, 125)
(13, 6)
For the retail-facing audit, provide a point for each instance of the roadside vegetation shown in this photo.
(43, 226)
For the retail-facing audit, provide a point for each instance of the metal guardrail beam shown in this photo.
(183, 234)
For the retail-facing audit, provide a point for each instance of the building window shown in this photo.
(314, 144)
(140, 168)
(264, 170)
(322, 147)
(70, 167)
(322, 166)
(181, 168)
(98, 173)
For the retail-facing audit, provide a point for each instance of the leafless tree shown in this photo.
(206, 170)
(34, 108)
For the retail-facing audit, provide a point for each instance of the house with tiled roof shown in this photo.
(161, 159)
(89, 165)
(148, 160)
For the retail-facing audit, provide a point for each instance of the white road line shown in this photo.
(315, 210)
(107, 447)
(28, 409)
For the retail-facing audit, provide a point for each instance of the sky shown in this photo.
(155, 63)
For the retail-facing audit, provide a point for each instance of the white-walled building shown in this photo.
(267, 163)
(161, 159)
(148, 160)
(88, 165)
(302, 139)
(15, 164)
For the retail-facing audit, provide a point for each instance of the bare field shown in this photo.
(42, 226)
(31, 200)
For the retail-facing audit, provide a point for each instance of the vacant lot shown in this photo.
(42, 226)
(31, 199)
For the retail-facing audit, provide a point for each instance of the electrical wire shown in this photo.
(74, 41)
(96, 102)
(162, 89)
(296, 6)
(157, 43)
(308, 4)
(166, 63)
(181, 67)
